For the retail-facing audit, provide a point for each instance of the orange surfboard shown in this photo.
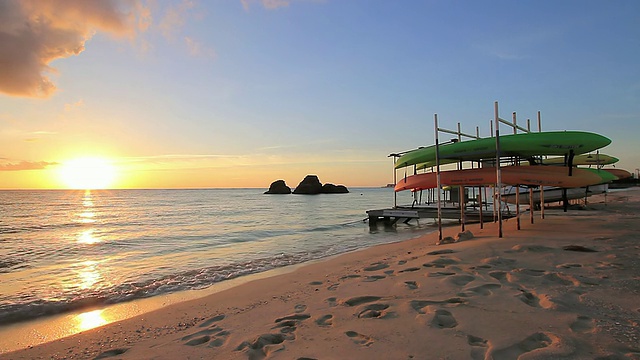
(511, 175)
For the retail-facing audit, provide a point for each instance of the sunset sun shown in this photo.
(87, 173)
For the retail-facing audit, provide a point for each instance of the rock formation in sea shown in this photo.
(334, 189)
(311, 185)
(278, 187)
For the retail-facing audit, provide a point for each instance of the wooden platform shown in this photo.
(405, 214)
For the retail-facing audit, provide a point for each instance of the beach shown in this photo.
(565, 287)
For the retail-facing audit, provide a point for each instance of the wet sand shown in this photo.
(565, 287)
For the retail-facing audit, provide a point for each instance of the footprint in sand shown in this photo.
(443, 319)
(376, 266)
(478, 347)
(333, 287)
(325, 320)
(569, 266)
(300, 308)
(530, 272)
(411, 269)
(460, 280)
(440, 273)
(262, 346)
(359, 300)
(529, 298)
(499, 262)
(419, 305)
(214, 335)
(561, 279)
(374, 311)
(530, 248)
(212, 320)
(441, 252)
(499, 275)
(583, 325)
(411, 284)
(347, 277)
(484, 290)
(476, 341)
(373, 278)
(578, 248)
(288, 324)
(266, 344)
(111, 353)
(332, 301)
(316, 283)
(359, 339)
(533, 342)
(442, 262)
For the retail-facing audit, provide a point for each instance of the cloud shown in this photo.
(33, 33)
(26, 165)
(175, 18)
(268, 4)
(196, 49)
(77, 104)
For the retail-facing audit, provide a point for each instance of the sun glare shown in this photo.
(88, 174)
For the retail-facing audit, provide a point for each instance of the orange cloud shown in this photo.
(26, 165)
(33, 33)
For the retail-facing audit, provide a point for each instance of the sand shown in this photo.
(565, 287)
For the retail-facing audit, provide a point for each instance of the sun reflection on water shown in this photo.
(88, 275)
(90, 320)
(87, 237)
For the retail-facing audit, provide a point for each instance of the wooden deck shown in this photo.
(405, 214)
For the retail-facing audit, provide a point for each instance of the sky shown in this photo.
(240, 93)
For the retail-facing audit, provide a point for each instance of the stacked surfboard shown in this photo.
(566, 148)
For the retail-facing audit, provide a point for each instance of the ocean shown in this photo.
(63, 251)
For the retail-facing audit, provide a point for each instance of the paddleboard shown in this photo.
(619, 173)
(554, 194)
(510, 175)
(557, 143)
(584, 159)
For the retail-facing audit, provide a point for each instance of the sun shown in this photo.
(87, 174)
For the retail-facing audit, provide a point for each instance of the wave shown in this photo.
(187, 280)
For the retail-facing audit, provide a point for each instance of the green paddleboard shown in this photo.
(606, 177)
(524, 145)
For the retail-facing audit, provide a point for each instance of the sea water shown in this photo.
(64, 251)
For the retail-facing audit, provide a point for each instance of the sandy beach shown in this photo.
(565, 287)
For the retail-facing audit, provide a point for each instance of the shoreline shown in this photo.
(481, 298)
(29, 333)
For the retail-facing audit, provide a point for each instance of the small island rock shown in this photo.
(310, 185)
(278, 187)
(334, 189)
